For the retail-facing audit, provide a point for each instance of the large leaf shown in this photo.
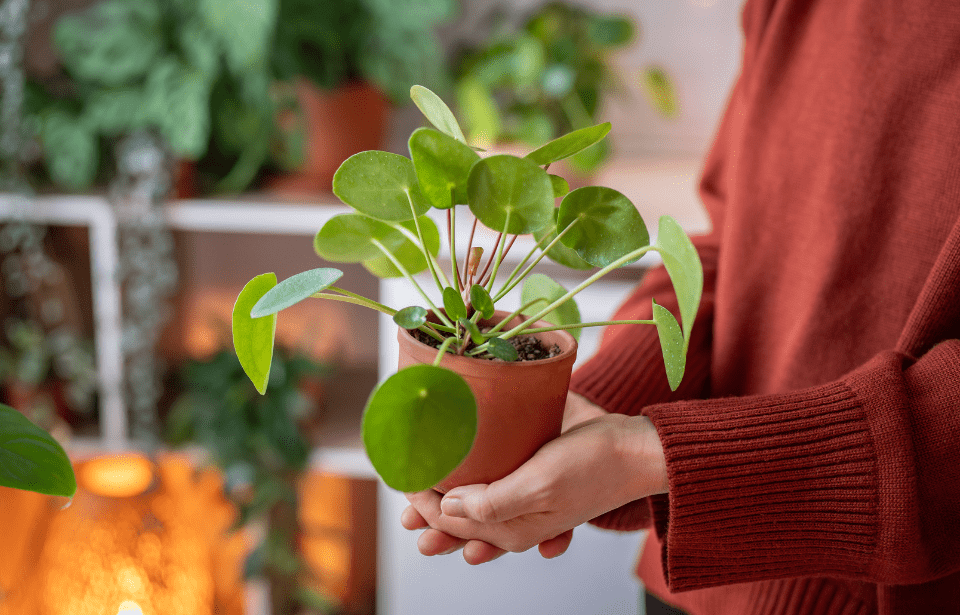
(418, 426)
(243, 28)
(569, 144)
(436, 112)
(177, 100)
(502, 185)
(559, 253)
(351, 238)
(295, 289)
(443, 165)
(70, 148)
(381, 185)
(606, 225)
(406, 252)
(671, 344)
(32, 460)
(539, 286)
(253, 337)
(686, 272)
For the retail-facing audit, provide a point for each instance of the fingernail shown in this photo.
(452, 507)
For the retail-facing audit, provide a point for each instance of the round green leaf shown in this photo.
(443, 165)
(295, 289)
(410, 317)
(436, 112)
(349, 238)
(30, 459)
(559, 253)
(502, 185)
(671, 344)
(418, 426)
(539, 286)
(569, 144)
(560, 186)
(607, 227)
(453, 304)
(481, 301)
(683, 265)
(381, 185)
(408, 253)
(253, 337)
(502, 349)
(471, 327)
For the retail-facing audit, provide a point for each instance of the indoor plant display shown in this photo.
(421, 422)
(532, 83)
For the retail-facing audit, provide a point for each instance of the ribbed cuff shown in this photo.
(766, 487)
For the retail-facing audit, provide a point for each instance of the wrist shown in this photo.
(643, 453)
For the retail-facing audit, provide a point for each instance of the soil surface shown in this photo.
(529, 347)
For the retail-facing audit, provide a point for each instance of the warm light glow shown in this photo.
(118, 476)
(129, 607)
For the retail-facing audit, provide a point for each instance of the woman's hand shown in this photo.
(595, 466)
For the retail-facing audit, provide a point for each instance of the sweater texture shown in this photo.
(812, 447)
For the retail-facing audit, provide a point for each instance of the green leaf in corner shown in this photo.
(437, 112)
(30, 459)
(418, 426)
(671, 344)
(569, 144)
(539, 286)
(453, 304)
(682, 262)
(253, 337)
(295, 289)
(481, 301)
(410, 317)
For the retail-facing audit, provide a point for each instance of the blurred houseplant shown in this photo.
(532, 83)
(261, 446)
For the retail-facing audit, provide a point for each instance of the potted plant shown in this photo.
(339, 66)
(531, 83)
(421, 423)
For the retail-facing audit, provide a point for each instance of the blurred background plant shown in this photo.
(532, 82)
(262, 446)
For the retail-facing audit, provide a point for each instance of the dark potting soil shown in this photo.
(529, 347)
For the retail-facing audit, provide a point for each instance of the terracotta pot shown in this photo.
(337, 124)
(519, 404)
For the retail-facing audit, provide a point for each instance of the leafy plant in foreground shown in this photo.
(420, 423)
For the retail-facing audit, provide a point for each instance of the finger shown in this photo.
(497, 502)
(411, 519)
(477, 552)
(427, 503)
(557, 546)
(435, 542)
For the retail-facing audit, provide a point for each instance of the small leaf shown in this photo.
(418, 426)
(560, 186)
(502, 349)
(502, 184)
(30, 459)
(471, 327)
(671, 344)
(659, 90)
(682, 263)
(569, 144)
(481, 301)
(253, 337)
(381, 185)
(436, 112)
(295, 289)
(607, 225)
(539, 286)
(443, 165)
(453, 304)
(410, 317)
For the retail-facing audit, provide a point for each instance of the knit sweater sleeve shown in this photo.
(857, 478)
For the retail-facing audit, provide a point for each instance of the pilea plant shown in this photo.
(420, 423)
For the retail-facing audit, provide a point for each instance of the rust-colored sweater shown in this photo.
(813, 448)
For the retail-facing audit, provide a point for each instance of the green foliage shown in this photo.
(253, 337)
(32, 460)
(420, 422)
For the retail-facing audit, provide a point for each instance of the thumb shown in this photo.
(494, 503)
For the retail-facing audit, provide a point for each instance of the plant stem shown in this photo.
(493, 254)
(423, 246)
(414, 239)
(506, 251)
(510, 317)
(590, 324)
(443, 318)
(596, 276)
(443, 349)
(363, 301)
(516, 269)
(451, 236)
(496, 264)
(466, 259)
(512, 282)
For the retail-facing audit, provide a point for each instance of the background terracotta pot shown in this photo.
(519, 404)
(337, 124)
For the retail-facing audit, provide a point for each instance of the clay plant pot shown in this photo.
(519, 404)
(336, 125)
